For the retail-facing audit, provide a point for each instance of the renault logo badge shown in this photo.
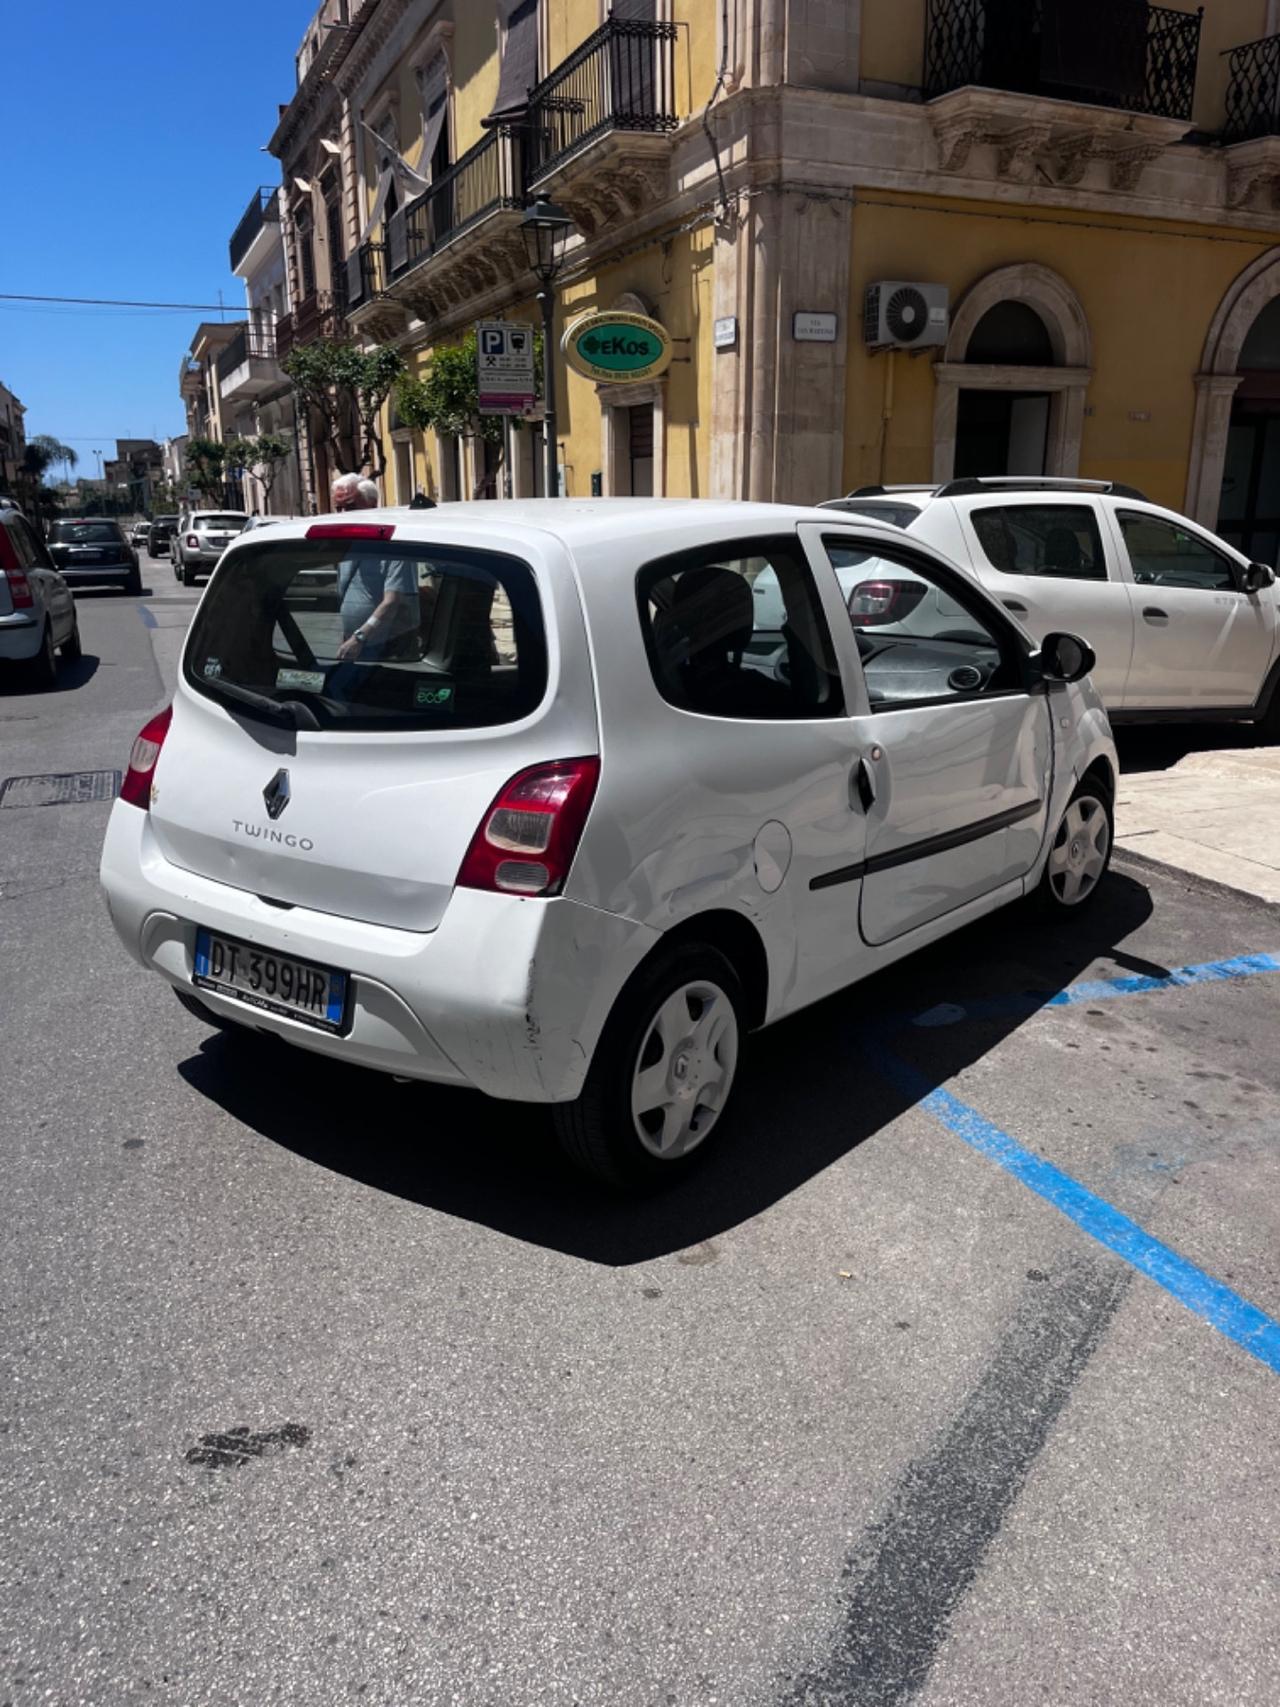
(276, 794)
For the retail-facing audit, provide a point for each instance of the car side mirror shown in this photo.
(1065, 658)
(1257, 576)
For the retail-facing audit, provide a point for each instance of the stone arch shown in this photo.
(1216, 383)
(1053, 299)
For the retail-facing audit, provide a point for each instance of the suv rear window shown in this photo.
(86, 533)
(1042, 539)
(234, 520)
(458, 640)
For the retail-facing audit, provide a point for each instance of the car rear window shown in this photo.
(457, 643)
(218, 521)
(86, 533)
(1061, 540)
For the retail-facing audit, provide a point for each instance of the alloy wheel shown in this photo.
(1079, 854)
(684, 1069)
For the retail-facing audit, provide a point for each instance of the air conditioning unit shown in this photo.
(907, 316)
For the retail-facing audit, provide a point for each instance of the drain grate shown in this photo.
(70, 788)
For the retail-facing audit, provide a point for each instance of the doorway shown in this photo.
(1249, 512)
(1001, 432)
(640, 449)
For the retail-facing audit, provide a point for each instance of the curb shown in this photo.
(1191, 879)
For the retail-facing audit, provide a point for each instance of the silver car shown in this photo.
(201, 539)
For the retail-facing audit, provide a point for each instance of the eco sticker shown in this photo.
(432, 696)
(213, 668)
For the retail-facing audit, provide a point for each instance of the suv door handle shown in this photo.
(1014, 605)
(862, 786)
(1153, 613)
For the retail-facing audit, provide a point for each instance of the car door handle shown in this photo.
(1153, 613)
(862, 786)
(1014, 605)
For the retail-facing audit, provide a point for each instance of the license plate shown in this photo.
(275, 982)
(87, 557)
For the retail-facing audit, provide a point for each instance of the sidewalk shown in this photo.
(1189, 800)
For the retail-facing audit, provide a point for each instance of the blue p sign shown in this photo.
(492, 341)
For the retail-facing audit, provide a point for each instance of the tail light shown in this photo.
(528, 837)
(193, 541)
(19, 587)
(136, 787)
(874, 602)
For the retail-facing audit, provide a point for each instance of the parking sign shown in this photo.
(504, 368)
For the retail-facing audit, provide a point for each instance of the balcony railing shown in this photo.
(1253, 90)
(621, 78)
(487, 177)
(1110, 53)
(248, 341)
(262, 210)
(366, 273)
(318, 315)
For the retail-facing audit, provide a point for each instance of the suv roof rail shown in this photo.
(967, 487)
(888, 491)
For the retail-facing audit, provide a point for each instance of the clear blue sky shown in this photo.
(132, 139)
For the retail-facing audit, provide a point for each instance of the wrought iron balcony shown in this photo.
(248, 365)
(488, 177)
(1108, 53)
(318, 315)
(1253, 91)
(621, 78)
(262, 210)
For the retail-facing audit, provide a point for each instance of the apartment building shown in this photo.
(1075, 205)
(256, 395)
(13, 439)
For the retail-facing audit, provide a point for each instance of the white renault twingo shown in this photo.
(560, 800)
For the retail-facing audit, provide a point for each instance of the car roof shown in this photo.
(589, 521)
(995, 485)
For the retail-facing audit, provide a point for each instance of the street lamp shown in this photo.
(545, 229)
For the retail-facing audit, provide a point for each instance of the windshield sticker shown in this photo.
(426, 695)
(213, 667)
(313, 679)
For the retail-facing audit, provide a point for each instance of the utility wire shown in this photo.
(112, 302)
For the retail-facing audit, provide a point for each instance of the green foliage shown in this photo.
(341, 382)
(206, 467)
(447, 398)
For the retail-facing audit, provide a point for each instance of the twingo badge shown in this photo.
(615, 348)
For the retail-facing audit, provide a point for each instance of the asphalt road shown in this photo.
(899, 1400)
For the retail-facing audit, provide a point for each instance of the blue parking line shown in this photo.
(1216, 1304)
(148, 617)
(1099, 990)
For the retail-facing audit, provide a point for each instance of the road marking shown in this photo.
(1216, 1304)
(1100, 990)
(148, 617)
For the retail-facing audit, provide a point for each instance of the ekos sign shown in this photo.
(616, 348)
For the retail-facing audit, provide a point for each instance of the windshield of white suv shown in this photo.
(361, 633)
(219, 521)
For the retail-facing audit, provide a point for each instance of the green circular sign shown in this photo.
(615, 348)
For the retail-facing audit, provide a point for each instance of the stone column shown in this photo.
(1208, 454)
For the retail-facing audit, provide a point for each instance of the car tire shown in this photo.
(1079, 853)
(188, 576)
(133, 584)
(662, 1074)
(72, 648)
(42, 670)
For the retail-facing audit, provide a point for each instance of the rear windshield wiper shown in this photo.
(290, 711)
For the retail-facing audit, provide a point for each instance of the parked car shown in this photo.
(92, 550)
(38, 618)
(564, 833)
(200, 540)
(160, 535)
(139, 535)
(1183, 625)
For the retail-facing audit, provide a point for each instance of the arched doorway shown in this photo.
(1010, 389)
(1233, 471)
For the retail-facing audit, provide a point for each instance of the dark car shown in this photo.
(161, 535)
(93, 550)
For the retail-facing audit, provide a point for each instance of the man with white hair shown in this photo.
(379, 594)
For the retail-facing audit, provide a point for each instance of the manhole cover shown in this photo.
(72, 788)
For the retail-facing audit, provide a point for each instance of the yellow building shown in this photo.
(1076, 202)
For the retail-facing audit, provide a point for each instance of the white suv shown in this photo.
(532, 797)
(1183, 625)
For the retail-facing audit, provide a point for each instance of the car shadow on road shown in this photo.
(808, 1095)
(72, 675)
(1160, 746)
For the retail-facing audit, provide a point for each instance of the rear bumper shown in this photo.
(109, 575)
(507, 995)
